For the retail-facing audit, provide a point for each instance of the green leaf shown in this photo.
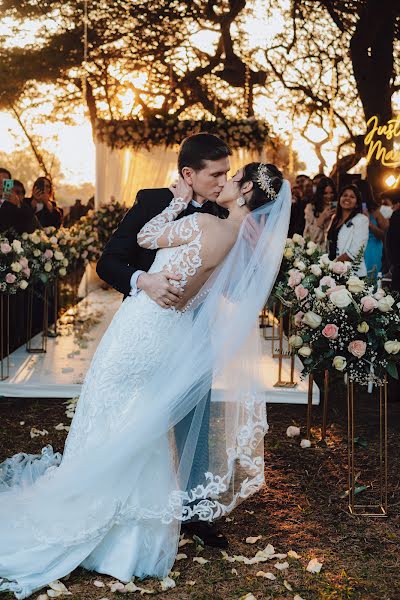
(392, 370)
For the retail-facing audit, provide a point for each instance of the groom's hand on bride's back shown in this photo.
(158, 287)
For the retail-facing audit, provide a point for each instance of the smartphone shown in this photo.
(334, 205)
(364, 206)
(8, 185)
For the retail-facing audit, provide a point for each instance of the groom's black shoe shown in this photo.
(206, 532)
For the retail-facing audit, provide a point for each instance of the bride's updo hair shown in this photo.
(261, 174)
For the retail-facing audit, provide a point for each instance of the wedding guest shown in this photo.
(378, 225)
(77, 211)
(392, 244)
(296, 224)
(319, 212)
(42, 204)
(348, 232)
(316, 179)
(15, 216)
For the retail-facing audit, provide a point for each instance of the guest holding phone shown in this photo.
(348, 231)
(42, 204)
(318, 213)
(15, 216)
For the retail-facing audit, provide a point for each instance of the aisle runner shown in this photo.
(59, 372)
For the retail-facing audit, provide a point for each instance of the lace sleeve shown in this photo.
(163, 232)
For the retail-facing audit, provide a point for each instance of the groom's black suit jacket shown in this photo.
(122, 255)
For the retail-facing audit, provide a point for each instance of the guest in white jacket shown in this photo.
(349, 229)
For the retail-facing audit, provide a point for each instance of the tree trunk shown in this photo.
(371, 50)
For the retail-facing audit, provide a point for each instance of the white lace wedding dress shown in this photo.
(114, 501)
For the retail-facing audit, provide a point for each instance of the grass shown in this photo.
(299, 509)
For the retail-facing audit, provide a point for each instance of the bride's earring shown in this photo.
(241, 201)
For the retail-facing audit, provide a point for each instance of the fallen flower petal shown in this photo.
(293, 554)
(200, 560)
(181, 556)
(234, 572)
(281, 566)
(270, 576)
(248, 597)
(184, 541)
(253, 540)
(42, 597)
(305, 443)
(99, 583)
(292, 431)
(191, 582)
(297, 597)
(53, 593)
(314, 566)
(167, 583)
(58, 586)
(288, 586)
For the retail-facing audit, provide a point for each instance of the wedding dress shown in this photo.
(115, 500)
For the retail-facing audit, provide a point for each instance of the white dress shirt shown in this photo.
(135, 275)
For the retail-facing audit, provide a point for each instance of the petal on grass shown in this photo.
(167, 584)
(314, 566)
(200, 560)
(253, 540)
(281, 566)
(267, 575)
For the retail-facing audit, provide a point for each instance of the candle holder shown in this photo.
(4, 336)
(379, 507)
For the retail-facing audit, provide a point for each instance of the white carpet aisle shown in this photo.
(60, 371)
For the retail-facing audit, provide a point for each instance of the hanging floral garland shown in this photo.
(250, 133)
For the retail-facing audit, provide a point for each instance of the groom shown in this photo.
(203, 161)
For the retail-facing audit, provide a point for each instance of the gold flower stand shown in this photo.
(325, 404)
(378, 507)
(32, 291)
(4, 336)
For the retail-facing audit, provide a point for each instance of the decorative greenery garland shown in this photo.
(250, 133)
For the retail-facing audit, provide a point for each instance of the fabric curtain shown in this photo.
(120, 174)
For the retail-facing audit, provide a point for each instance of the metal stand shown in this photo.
(378, 509)
(4, 336)
(325, 405)
(281, 355)
(29, 324)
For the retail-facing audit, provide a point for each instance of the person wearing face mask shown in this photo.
(349, 228)
(42, 204)
(319, 212)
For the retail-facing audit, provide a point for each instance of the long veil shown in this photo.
(72, 506)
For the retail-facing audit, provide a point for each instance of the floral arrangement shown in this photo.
(342, 323)
(46, 260)
(105, 220)
(85, 239)
(250, 133)
(14, 266)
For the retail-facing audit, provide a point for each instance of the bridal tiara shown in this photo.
(264, 180)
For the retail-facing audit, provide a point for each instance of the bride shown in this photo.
(115, 500)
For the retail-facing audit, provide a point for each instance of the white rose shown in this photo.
(299, 265)
(379, 294)
(47, 267)
(36, 253)
(392, 347)
(296, 341)
(62, 271)
(324, 261)
(289, 242)
(341, 298)
(53, 240)
(312, 319)
(298, 239)
(355, 284)
(23, 284)
(16, 267)
(385, 304)
(65, 262)
(35, 239)
(24, 236)
(292, 431)
(305, 351)
(339, 362)
(16, 244)
(305, 443)
(311, 245)
(316, 270)
(363, 327)
(58, 255)
(319, 294)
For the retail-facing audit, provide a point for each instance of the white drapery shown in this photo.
(120, 174)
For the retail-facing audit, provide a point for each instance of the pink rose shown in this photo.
(335, 289)
(23, 262)
(357, 348)
(328, 281)
(5, 248)
(368, 303)
(330, 331)
(27, 271)
(10, 278)
(298, 318)
(301, 292)
(339, 268)
(84, 254)
(295, 278)
(48, 253)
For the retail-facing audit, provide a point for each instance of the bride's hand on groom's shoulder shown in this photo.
(181, 189)
(158, 287)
